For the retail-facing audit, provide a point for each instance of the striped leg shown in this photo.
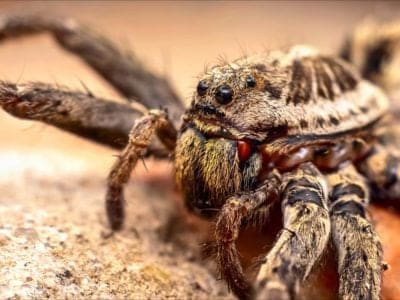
(303, 238)
(357, 244)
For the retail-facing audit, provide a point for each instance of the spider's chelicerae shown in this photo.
(291, 126)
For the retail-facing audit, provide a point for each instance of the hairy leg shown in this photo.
(155, 121)
(303, 238)
(382, 169)
(122, 69)
(96, 119)
(358, 247)
(235, 211)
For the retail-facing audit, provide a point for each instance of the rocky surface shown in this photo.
(54, 240)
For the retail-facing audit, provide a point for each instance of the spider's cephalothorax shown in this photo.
(295, 126)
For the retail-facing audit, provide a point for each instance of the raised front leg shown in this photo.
(357, 244)
(122, 69)
(303, 238)
(155, 121)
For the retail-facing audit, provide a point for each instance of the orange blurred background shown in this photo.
(176, 39)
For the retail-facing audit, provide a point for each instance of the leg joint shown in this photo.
(303, 194)
(352, 207)
(349, 198)
(342, 189)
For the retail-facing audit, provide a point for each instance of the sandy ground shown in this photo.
(45, 172)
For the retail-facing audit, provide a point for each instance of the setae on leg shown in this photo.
(155, 122)
(358, 247)
(235, 211)
(303, 238)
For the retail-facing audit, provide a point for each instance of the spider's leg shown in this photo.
(358, 247)
(103, 121)
(236, 210)
(96, 119)
(303, 238)
(382, 167)
(144, 128)
(122, 69)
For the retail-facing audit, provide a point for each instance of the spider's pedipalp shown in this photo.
(235, 211)
(303, 239)
(358, 246)
(123, 70)
(227, 231)
(144, 128)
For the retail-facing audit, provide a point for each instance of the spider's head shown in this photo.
(231, 112)
(229, 98)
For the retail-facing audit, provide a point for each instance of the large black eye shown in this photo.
(250, 81)
(224, 94)
(202, 88)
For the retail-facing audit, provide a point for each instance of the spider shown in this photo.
(292, 127)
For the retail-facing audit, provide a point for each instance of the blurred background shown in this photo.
(176, 39)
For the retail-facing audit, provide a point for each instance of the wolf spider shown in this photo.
(295, 127)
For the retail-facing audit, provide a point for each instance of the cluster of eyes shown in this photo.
(223, 93)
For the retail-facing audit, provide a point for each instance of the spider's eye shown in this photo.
(202, 88)
(250, 81)
(224, 94)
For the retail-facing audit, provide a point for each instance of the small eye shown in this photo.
(250, 81)
(224, 94)
(202, 88)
